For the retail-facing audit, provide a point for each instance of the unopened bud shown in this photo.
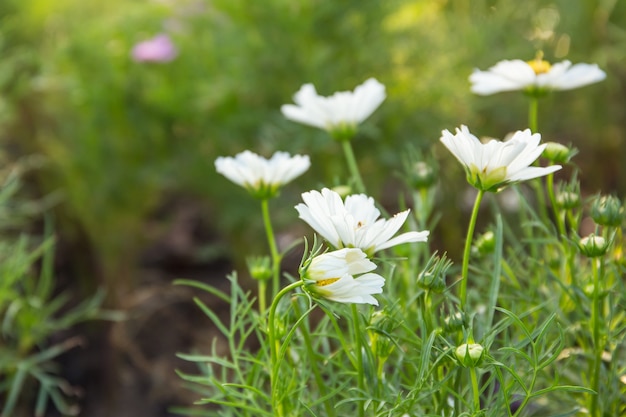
(470, 355)
(342, 190)
(433, 277)
(557, 153)
(259, 267)
(568, 200)
(607, 211)
(422, 175)
(486, 243)
(593, 246)
(454, 322)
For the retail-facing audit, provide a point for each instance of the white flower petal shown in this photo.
(519, 75)
(354, 223)
(496, 163)
(255, 172)
(341, 108)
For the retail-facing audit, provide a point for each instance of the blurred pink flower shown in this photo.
(158, 49)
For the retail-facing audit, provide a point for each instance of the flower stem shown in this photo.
(596, 334)
(277, 405)
(560, 220)
(533, 110)
(475, 390)
(276, 257)
(352, 165)
(262, 290)
(468, 247)
(359, 355)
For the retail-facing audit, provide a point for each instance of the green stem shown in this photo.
(597, 342)
(276, 257)
(359, 356)
(277, 405)
(262, 289)
(352, 166)
(468, 247)
(533, 110)
(321, 386)
(475, 390)
(560, 220)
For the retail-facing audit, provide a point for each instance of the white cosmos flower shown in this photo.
(340, 113)
(535, 77)
(332, 275)
(492, 165)
(262, 177)
(354, 223)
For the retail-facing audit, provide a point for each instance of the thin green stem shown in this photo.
(560, 220)
(275, 347)
(533, 111)
(475, 390)
(352, 166)
(359, 356)
(468, 247)
(262, 289)
(276, 256)
(598, 346)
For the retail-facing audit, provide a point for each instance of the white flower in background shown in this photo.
(332, 275)
(492, 165)
(262, 177)
(354, 223)
(340, 113)
(535, 77)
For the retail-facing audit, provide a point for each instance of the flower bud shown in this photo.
(454, 322)
(259, 267)
(486, 243)
(557, 153)
(422, 175)
(342, 190)
(567, 200)
(470, 355)
(433, 277)
(607, 210)
(593, 246)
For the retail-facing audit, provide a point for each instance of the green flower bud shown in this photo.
(567, 200)
(593, 246)
(557, 153)
(486, 243)
(470, 355)
(607, 211)
(342, 190)
(433, 277)
(259, 267)
(422, 175)
(454, 322)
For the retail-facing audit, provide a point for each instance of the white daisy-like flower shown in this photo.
(340, 113)
(262, 177)
(333, 275)
(534, 77)
(492, 165)
(354, 223)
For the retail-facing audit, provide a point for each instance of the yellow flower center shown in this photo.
(325, 282)
(539, 65)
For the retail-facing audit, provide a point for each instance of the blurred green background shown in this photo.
(128, 146)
